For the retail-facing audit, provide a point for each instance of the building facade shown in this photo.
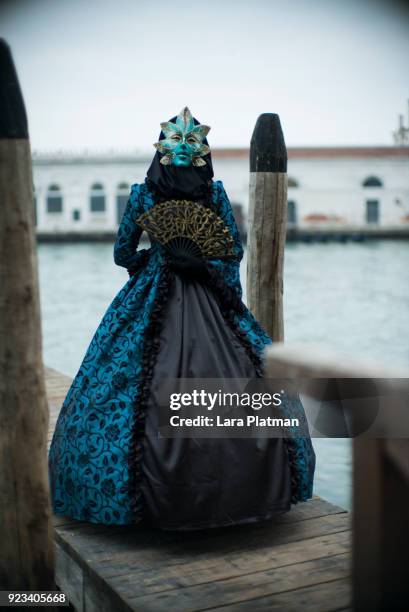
(329, 188)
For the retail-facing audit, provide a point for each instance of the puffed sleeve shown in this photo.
(228, 271)
(129, 233)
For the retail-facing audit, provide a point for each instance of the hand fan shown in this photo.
(188, 229)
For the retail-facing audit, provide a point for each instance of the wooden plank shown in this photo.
(100, 598)
(242, 588)
(148, 553)
(197, 571)
(326, 597)
(57, 386)
(154, 549)
(311, 509)
(70, 577)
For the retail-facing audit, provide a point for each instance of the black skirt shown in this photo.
(206, 482)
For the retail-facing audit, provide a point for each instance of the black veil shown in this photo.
(192, 183)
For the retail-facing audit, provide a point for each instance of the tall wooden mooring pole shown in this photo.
(267, 224)
(26, 559)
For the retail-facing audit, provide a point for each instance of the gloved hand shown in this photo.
(189, 267)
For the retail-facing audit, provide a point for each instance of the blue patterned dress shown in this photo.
(96, 455)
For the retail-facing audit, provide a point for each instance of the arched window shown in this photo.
(372, 181)
(97, 198)
(54, 199)
(122, 195)
(292, 182)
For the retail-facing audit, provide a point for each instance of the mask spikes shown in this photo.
(198, 161)
(203, 150)
(201, 129)
(169, 128)
(185, 120)
(166, 160)
(161, 147)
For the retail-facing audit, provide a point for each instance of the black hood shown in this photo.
(193, 182)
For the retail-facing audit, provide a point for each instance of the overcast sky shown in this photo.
(101, 74)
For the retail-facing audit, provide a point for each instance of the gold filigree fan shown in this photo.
(188, 229)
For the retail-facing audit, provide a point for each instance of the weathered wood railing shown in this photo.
(380, 476)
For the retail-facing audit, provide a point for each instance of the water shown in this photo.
(351, 297)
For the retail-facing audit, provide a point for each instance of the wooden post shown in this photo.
(26, 559)
(381, 525)
(267, 224)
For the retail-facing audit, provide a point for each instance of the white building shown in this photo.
(355, 188)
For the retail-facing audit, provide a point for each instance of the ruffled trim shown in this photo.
(294, 474)
(150, 352)
(230, 304)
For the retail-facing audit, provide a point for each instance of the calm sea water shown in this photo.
(352, 297)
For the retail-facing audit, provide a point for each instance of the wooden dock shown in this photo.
(298, 562)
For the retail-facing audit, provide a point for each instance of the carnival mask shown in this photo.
(183, 143)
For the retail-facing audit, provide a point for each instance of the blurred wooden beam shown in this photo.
(380, 472)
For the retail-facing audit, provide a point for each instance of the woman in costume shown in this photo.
(179, 315)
